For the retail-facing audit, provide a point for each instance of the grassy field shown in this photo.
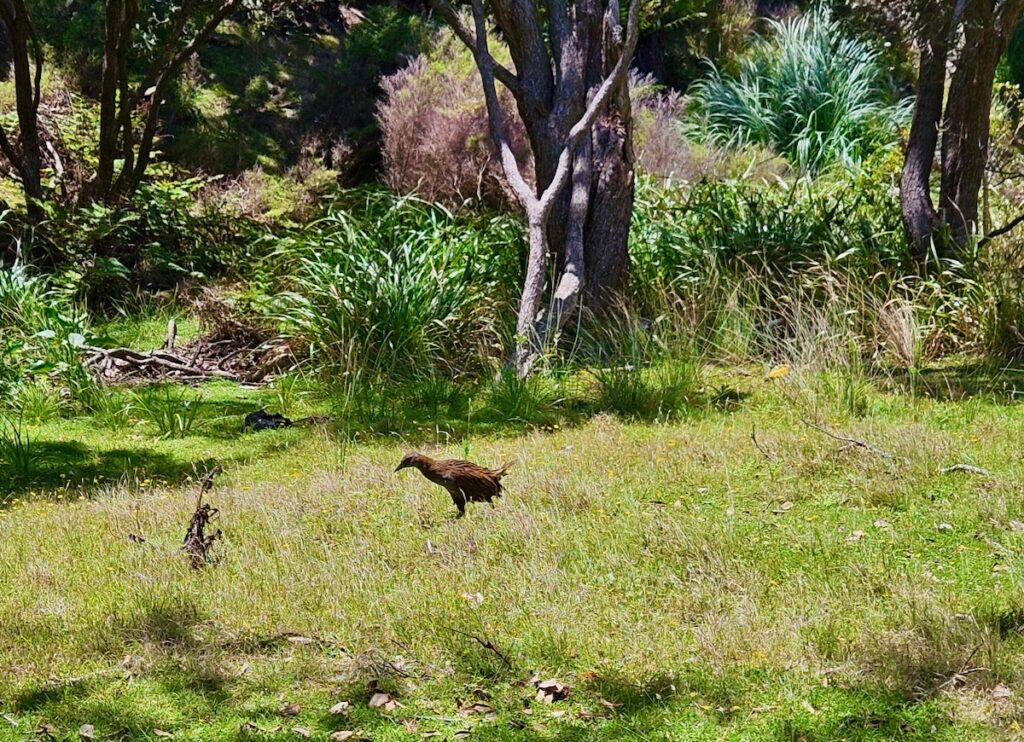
(683, 582)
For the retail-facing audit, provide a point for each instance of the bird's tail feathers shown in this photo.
(503, 470)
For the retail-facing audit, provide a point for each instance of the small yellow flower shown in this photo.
(778, 372)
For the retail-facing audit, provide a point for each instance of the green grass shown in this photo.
(684, 584)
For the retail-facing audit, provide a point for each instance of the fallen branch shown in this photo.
(966, 468)
(854, 442)
(124, 361)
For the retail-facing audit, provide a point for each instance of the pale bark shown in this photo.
(561, 94)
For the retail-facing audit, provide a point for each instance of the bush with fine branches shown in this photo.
(809, 91)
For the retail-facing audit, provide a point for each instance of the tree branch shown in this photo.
(485, 63)
(1008, 227)
(505, 76)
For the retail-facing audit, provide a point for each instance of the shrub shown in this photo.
(810, 92)
(395, 285)
(678, 234)
(435, 132)
(42, 332)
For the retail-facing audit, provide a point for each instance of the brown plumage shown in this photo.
(465, 481)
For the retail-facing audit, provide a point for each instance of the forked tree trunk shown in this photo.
(983, 28)
(965, 139)
(570, 91)
(119, 102)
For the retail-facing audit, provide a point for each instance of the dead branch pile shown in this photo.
(231, 347)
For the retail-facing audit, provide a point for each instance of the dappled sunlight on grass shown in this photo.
(683, 582)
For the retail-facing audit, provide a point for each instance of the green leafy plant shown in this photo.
(407, 287)
(17, 450)
(172, 410)
(809, 91)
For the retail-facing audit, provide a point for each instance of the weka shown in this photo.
(465, 481)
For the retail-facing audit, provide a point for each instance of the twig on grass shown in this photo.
(757, 444)
(966, 468)
(850, 442)
(485, 643)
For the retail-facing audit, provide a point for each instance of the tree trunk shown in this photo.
(920, 220)
(585, 58)
(613, 182)
(561, 107)
(966, 137)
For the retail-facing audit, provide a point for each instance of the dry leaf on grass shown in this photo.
(550, 691)
(340, 708)
(855, 537)
(478, 708)
(87, 731)
(1000, 692)
(383, 701)
(290, 709)
(342, 736)
(783, 507)
(162, 734)
(302, 732)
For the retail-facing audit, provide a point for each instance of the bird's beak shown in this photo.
(399, 467)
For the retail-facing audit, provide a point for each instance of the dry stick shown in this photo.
(965, 669)
(849, 441)
(757, 444)
(967, 468)
(485, 643)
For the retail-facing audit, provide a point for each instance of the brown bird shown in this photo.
(465, 481)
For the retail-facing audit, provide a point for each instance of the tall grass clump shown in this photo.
(644, 368)
(397, 286)
(173, 411)
(17, 451)
(808, 91)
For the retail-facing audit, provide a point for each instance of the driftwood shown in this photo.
(125, 362)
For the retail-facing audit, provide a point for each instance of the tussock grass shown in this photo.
(671, 568)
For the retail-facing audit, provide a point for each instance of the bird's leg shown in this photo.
(460, 501)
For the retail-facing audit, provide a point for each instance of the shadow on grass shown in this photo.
(76, 467)
(966, 381)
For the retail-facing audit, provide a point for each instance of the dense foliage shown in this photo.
(808, 90)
